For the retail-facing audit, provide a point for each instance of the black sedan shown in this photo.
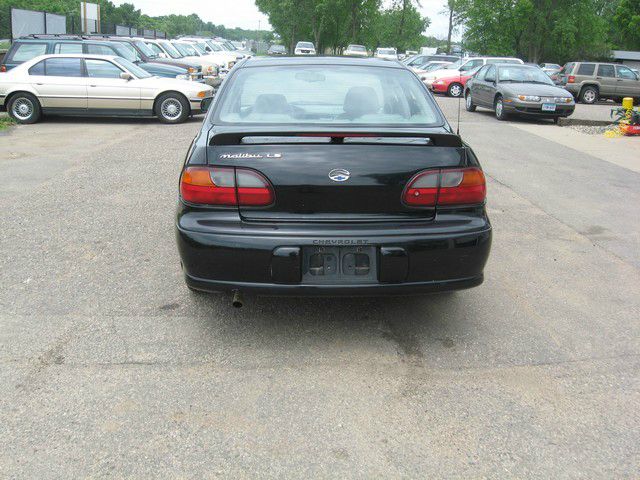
(517, 89)
(318, 176)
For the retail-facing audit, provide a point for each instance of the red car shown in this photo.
(453, 85)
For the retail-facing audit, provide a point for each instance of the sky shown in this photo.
(245, 14)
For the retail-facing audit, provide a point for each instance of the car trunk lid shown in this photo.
(328, 176)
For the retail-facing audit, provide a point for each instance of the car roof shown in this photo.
(329, 61)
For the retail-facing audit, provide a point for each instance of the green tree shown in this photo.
(536, 30)
(627, 23)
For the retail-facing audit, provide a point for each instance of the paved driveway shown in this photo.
(110, 367)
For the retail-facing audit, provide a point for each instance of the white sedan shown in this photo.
(387, 53)
(88, 85)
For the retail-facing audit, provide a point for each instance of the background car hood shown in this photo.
(186, 87)
(533, 89)
(164, 68)
(177, 62)
(443, 72)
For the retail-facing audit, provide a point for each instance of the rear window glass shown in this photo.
(63, 67)
(606, 71)
(100, 49)
(67, 48)
(568, 68)
(586, 69)
(37, 69)
(58, 67)
(26, 51)
(317, 94)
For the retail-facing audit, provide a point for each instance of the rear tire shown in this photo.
(498, 106)
(589, 95)
(172, 108)
(468, 103)
(24, 108)
(455, 90)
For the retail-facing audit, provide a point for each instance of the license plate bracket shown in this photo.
(548, 107)
(339, 265)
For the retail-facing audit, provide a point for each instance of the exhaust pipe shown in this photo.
(238, 300)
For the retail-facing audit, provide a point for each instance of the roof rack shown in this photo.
(69, 36)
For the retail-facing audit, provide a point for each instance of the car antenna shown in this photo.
(459, 99)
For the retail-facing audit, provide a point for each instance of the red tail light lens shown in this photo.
(422, 190)
(3, 69)
(462, 187)
(465, 186)
(253, 188)
(225, 186)
(571, 79)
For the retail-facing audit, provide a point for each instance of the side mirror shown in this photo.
(205, 104)
(126, 76)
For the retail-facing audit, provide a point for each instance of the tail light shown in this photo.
(464, 186)
(3, 69)
(571, 79)
(225, 186)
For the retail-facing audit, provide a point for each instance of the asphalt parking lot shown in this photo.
(111, 367)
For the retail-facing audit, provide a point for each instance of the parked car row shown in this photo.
(587, 82)
(188, 58)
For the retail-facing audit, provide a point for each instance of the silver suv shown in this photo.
(590, 81)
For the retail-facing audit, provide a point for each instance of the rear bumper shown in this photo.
(448, 254)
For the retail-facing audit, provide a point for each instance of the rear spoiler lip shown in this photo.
(439, 137)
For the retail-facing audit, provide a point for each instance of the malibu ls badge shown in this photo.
(251, 155)
(339, 175)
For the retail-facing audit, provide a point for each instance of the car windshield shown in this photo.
(214, 47)
(386, 51)
(346, 95)
(171, 50)
(126, 51)
(201, 50)
(277, 48)
(132, 54)
(522, 74)
(432, 67)
(146, 49)
(356, 48)
(186, 49)
(133, 68)
(455, 64)
(305, 45)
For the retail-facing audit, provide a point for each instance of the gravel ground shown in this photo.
(110, 368)
(592, 130)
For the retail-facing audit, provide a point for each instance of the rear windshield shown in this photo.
(356, 48)
(304, 45)
(26, 51)
(386, 51)
(319, 94)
